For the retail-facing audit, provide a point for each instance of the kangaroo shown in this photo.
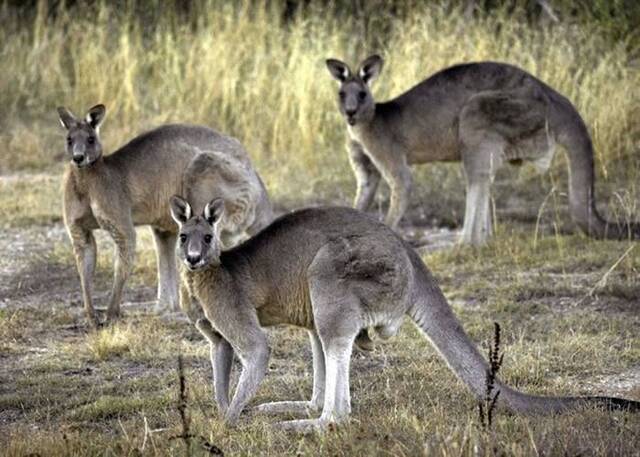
(132, 187)
(482, 113)
(332, 271)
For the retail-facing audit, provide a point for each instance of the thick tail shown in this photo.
(575, 138)
(433, 315)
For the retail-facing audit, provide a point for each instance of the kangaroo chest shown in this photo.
(226, 306)
(415, 142)
(377, 145)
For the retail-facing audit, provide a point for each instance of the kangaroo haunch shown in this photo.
(132, 187)
(334, 272)
(482, 113)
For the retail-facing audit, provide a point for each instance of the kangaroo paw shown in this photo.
(296, 407)
(304, 425)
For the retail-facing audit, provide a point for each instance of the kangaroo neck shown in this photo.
(361, 131)
(85, 175)
(367, 125)
(212, 278)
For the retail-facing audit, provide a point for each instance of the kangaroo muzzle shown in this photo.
(78, 154)
(193, 259)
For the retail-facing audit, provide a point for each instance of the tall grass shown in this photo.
(246, 70)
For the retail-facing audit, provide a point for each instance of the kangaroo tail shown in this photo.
(574, 136)
(433, 315)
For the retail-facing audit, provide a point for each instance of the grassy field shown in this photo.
(569, 327)
(568, 305)
(245, 71)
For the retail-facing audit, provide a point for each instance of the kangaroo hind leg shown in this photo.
(481, 163)
(336, 316)
(167, 271)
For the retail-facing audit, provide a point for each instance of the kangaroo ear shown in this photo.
(95, 116)
(214, 210)
(338, 69)
(67, 119)
(370, 68)
(180, 210)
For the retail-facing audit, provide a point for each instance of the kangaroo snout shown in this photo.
(193, 259)
(78, 153)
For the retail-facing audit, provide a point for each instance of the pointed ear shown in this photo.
(370, 68)
(214, 210)
(67, 119)
(95, 116)
(338, 69)
(180, 210)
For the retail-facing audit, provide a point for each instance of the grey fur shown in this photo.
(333, 272)
(132, 187)
(483, 114)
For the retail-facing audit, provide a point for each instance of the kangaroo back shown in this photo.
(231, 177)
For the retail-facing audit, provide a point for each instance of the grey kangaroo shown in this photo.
(333, 272)
(481, 113)
(132, 187)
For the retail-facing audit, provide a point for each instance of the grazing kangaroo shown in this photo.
(481, 113)
(132, 187)
(334, 272)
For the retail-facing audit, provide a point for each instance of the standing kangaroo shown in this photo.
(334, 272)
(481, 113)
(132, 187)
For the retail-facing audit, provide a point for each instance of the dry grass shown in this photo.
(244, 71)
(28, 200)
(81, 388)
(111, 342)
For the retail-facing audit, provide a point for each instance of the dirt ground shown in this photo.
(77, 392)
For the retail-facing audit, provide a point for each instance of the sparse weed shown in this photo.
(110, 342)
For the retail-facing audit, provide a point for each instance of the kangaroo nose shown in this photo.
(78, 158)
(193, 259)
(350, 112)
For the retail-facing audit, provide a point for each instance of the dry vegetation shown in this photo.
(68, 392)
(245, 71)
(568, 305)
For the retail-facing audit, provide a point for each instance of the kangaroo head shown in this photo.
(198, 241)
(354, 96)
(83, 142)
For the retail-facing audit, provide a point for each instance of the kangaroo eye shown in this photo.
(342, 95)
(91, 140)
(207, 239)
(69, 141)
(362, 95)
(183, 238)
